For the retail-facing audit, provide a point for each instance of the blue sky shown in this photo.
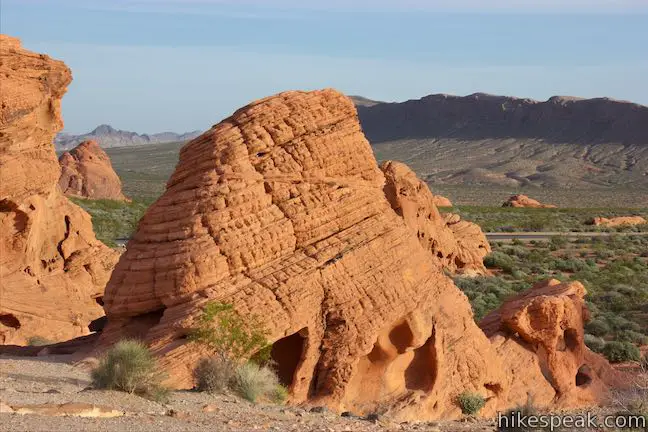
(152, 66)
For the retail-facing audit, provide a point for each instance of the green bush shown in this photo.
(253, 381)
(617, 352)
(470, 403)
(499, 260)
(129, 366)
(594, 343)
(214, 374)
(229, 335)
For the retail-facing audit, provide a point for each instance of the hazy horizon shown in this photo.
(152, 66)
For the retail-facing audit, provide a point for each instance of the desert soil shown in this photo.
(57, 380)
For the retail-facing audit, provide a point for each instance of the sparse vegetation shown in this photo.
(38, 341)
(470, 403)
(617, 352)
(113, 220)
(253, 381)
(130, 367)
(214, 374)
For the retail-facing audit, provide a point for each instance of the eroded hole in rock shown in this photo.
(287, 354)
(9, 320)
(422, 371)
(99, 300)
(495, 388)
(98, 324)
(571, 339)
(401, 337)
(583, 376)
(261, 154)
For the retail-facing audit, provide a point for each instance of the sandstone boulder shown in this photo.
(459, 245)
(618, 221)
(441, 201)
(280, 210)
(520, 200)
(540, 336)
(86, 172)
(52, 268)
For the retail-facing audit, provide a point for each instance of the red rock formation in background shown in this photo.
(459, 245)
(540, 336)
(441, 201)
(524, 201)
(618, 221)
(86, 172)
(52, 269)
(280, 210)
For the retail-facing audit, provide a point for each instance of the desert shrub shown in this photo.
(617, 352)
(499, 260)
(129, 366)
(214, 374)
(229, 335)
(594, 343)
(253, 381)
(38, 341)
(526, 410)
(470, 403)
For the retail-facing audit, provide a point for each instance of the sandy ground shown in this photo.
(53, 379)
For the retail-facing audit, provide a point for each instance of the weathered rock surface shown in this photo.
(70, 409)
(280, 210)
(618, 221)
(524, 201)
(540, 336)
(52, 267)
(441, 201)
(86, 172)
(459, 245)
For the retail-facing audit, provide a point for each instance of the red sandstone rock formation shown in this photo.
(524, 201)
(618, 221)
(86, 172)
(539, 336)
(460, 246)
(441, 201)
(280, 210)
(51, 266)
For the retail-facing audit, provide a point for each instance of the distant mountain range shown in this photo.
(506, 141)
(109, 137)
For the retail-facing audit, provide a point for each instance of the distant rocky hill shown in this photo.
(486, 139)
(109, 137)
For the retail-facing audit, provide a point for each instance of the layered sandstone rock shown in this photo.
(618, 221)
(459, 245)
(520, 200)
(539, 335)
(280, 210)
(51, 266)
(86, 172)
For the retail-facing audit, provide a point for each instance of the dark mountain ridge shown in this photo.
(109, 137)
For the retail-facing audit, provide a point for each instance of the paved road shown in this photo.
(548, 235)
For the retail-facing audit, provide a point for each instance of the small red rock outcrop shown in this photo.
(524, 201)
(459, 245)
(86, 172)
(441, 201)
(280, 210)
(618, 221)
(52, 268)
(540, 336)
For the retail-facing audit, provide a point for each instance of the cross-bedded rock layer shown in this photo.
(52, 268)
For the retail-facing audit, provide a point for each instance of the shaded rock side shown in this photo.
(280, 210)
(86, 172)
(539, 334)
(618, 221)
(520, 200)
(52, 268)
(459, 245)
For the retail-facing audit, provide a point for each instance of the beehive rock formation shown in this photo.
(539, 334)
(618, 221)
(280, 210)
(520, 201)
(86, 172)
(459, 245)
(52, 269)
